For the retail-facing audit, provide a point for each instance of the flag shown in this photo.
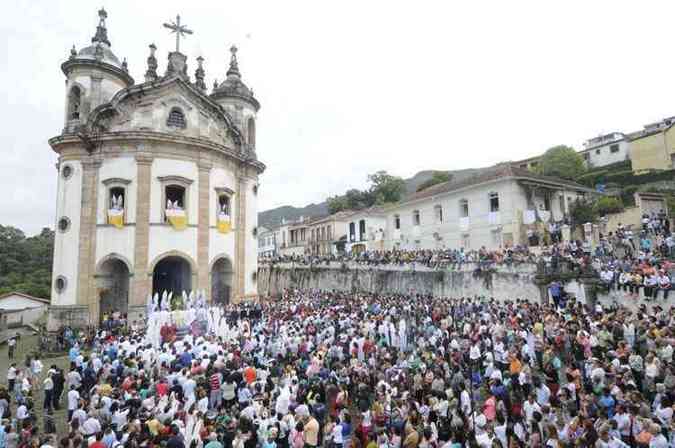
(177, 219)
(224, 223)
(116, 218)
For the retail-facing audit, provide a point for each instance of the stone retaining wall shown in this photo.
(501, 282)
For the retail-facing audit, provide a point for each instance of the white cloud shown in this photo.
(351, 87)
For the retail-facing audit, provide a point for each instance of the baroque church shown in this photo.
(157, 184)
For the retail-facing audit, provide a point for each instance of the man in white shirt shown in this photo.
(530, 407)
(11, 376)
(48, 386)
(91, 427)
(73, 401)
(11, 346)
(22, 413)
(80, 415)
(73, 379)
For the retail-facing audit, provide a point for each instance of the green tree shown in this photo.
(385, 188)
(438, 177)
(337, 203)
(26, 263)
(608, 204)
(582, 211)
(562, 161)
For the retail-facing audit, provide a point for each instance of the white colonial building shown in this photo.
(606, 150)
(267, 242)
(157, 184)
(366, 230)
(20, 309)
(494, 208)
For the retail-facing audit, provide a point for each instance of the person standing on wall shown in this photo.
(11, 346)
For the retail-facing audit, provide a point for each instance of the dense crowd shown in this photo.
(638, 262)
(430, 258)
(337, 370)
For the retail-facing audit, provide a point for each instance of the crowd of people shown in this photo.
(344, 370)
(430, 258)
(638, 262)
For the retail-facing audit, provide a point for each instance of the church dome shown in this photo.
(105, 52)
(99, 53)
(233, 86)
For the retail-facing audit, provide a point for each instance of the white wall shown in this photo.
(163, 238)
(18, 302)
(66, 245)
(251, 242)
(119, 167)
(111, 240)
(221, 178)
(25, 317)
(110, 85)
(173, 167)
(602, 155)
(221, 243)
(481, 222)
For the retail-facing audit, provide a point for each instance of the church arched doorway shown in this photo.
(221, 281)
(113, 287)
(172, 273)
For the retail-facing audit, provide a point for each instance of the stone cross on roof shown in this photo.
(179, 29)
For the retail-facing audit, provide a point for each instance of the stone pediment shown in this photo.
(170, 106)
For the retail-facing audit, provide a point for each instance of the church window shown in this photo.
(438, 213)
(352, 231)
(116, 198)
(175, 198)
(397, 222)
(255, 190)
(251, 131)
(60, 284)
(416, 218)
(67, 171)
(362, 230)
(74, 103)
(464, 208)
(176, 119)
(64, 224)
(494, 202)
(224, 204)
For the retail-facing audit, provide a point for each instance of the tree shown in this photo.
(582, 211)
(357, 199)
(385, 188)
(608, 204)
(438, 177)
(352, 200)
(26, 263)
(337, 204)
(562, 161)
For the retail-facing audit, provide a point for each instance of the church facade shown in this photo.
(157, 184)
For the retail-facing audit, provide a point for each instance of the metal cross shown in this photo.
(179, 29)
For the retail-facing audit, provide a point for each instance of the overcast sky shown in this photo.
(351, 87)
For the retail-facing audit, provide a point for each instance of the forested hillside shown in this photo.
(26, 263)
